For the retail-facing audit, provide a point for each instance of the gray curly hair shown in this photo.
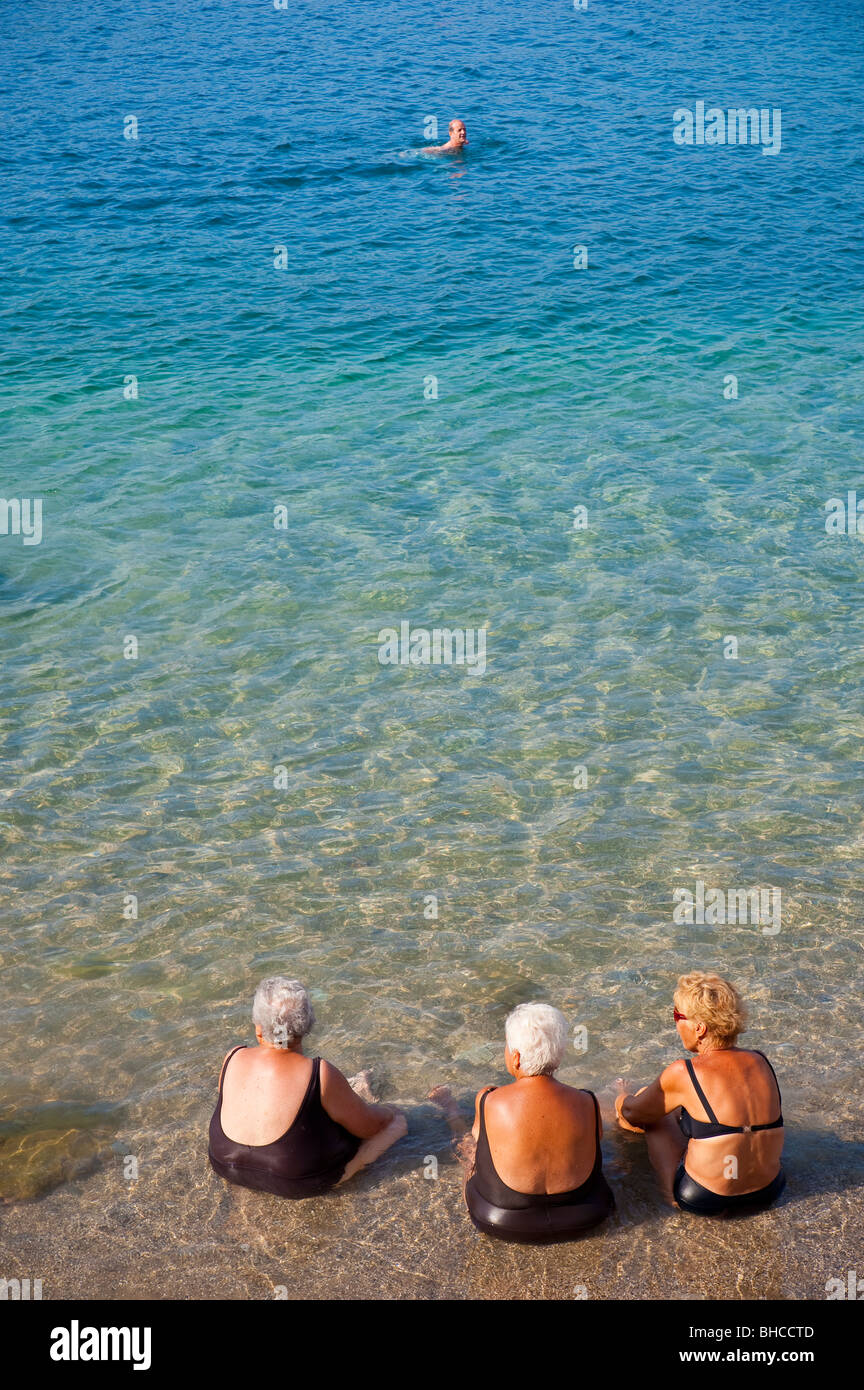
(282, 1010)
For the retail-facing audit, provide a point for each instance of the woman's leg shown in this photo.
(464, 1143)
(666, 1147)
(373, 1148)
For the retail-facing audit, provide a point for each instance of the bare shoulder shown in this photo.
(581, 1102)
(757, 1064)
(754, 1055)
(673, 1079)
(332, 1079)
(589, 1100)
(484, 1091)
(579, 1098)
(226, 1059)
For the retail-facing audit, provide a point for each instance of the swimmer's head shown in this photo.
(457, 133)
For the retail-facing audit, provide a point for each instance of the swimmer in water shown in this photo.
(458, 139)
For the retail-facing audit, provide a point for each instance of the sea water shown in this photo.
(279, 383)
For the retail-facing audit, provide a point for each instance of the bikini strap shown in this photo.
(773, 1073)
(487, 1092)
(238, 1048)
(702, 1096)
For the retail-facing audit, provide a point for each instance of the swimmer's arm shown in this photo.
(347, 1108)
(653, 1102)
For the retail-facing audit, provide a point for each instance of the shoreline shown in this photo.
(179, 1232)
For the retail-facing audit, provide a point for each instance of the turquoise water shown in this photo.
(307, 388)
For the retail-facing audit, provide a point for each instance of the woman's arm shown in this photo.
(653, 1102)
(347, 1108)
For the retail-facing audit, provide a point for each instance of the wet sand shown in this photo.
(179, 1232)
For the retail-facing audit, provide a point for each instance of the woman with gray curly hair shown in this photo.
(290, 1124)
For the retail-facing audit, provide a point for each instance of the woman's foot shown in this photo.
(442, 1096)
(361, 1084)
(466, 1151)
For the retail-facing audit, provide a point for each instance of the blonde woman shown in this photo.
(713, 1125)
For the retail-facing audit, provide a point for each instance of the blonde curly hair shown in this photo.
(709, 999)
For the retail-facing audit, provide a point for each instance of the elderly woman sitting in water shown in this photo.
(290, 1124)
(707, 1165)
(537, 1173)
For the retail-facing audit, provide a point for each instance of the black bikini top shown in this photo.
(699, 1129)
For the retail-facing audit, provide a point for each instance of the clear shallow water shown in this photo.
(257, 647)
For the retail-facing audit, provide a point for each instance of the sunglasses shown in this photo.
(679, 1018)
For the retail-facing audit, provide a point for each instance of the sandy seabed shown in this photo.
(179, 1232)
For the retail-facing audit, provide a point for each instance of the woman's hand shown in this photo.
(623, 1095)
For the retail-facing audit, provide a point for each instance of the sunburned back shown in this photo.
(262, 1091)
(741, 1090)
(541, 1135)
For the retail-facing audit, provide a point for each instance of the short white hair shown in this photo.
(539, 1034)
(282, 1010)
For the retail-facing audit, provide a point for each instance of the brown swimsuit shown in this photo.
(306, 1161)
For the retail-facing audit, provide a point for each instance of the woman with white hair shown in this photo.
(286, 1123)
(537, 1174)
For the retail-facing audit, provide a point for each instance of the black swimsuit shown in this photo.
(535, 1217)
(306, 1161)
(691, 1195)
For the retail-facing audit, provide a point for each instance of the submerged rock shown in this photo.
(46, 1145)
